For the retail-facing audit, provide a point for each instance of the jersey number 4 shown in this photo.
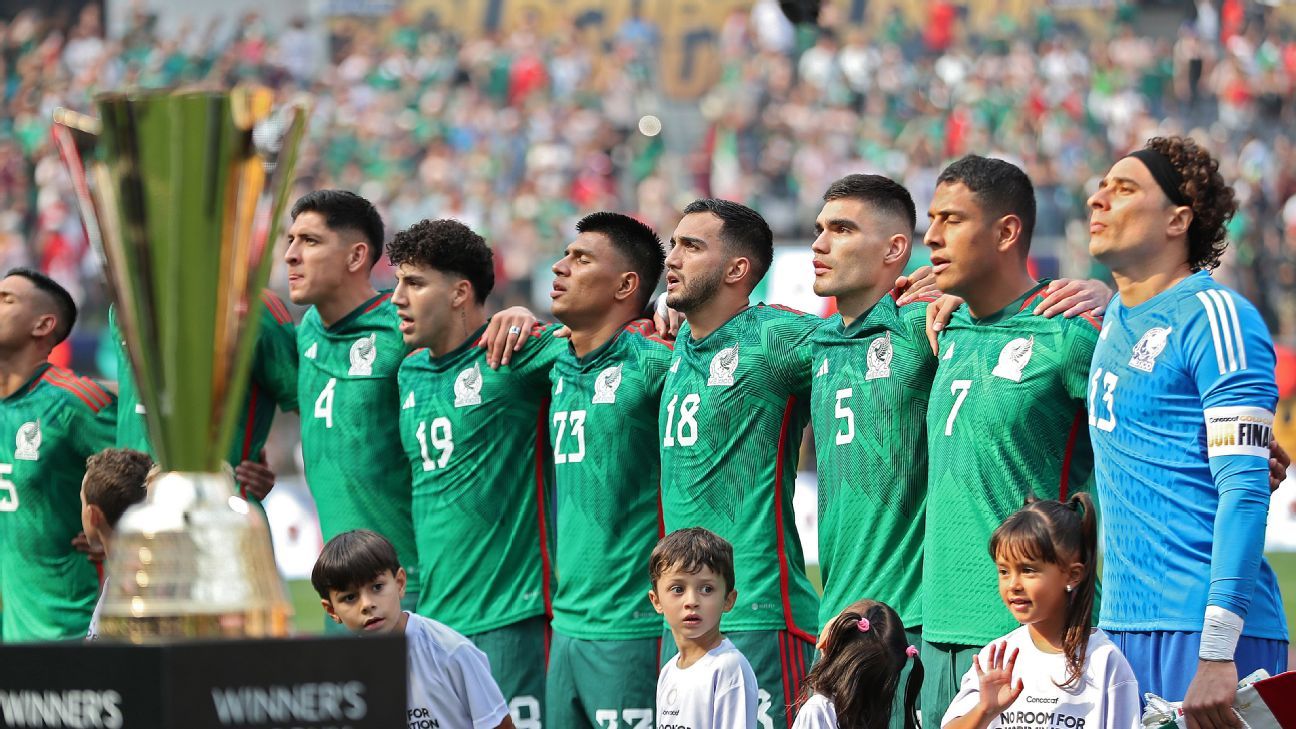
(324, 403)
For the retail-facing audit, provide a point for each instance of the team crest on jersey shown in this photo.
(1149, 346)
(467, 387)
(363, 354)
(312, 350)
(879, 356)
(409, 401)
(1013, 358)
(606, 384)
(28, 441)
(823, 368)
(723, 366)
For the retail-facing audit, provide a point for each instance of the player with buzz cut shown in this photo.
(734, 405)
(273, 383)
(868, 404)
(51, 420)
(1182, 398)
(476, 447)
(606, 390)
(1006, 418)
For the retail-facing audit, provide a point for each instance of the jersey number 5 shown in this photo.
(8, 491)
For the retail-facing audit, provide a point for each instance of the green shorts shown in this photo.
(943, 667)
(331, 629)
(780, 660)
(594, 684)
(518, 654)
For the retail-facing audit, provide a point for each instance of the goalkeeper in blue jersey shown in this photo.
(1181, 402)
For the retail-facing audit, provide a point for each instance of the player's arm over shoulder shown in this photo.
(1080, 338)
(787, 335)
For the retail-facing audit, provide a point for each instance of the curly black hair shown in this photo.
(448, 246)
(1213, 202)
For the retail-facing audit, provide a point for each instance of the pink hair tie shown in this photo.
(911, 652)
(863, 625)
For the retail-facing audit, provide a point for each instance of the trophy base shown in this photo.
(193, 561)
(272, 622)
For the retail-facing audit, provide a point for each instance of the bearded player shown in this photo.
(475, 446)
(51, 420)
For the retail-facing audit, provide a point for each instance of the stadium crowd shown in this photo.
(514, 134)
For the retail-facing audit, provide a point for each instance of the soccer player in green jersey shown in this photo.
(51, 420)
(273, 383)
(1006, 418)
(476, 447)
(734, 405)
(349, 348)
(606, 391)
(868, 405)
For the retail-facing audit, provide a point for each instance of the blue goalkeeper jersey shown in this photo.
(1181, 402)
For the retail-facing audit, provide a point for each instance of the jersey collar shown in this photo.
(27, 386)
(1012, 309)
(594, 355)
(466, 345)
(881, 315)
(359, 311)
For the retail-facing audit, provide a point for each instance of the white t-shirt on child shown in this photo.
(717, 692)
(817, 712)
(1105, 698)
(450, 684)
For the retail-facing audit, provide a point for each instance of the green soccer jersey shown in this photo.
(868, 407)
(48, 428)
(1006, 420)
(273, 382)
(476, 446)
(603, 431)
(733, 410)
(346, 382)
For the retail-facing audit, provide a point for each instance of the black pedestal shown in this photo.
(274, 684)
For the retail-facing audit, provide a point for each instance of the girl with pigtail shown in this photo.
(1056, 671)
(854, 684)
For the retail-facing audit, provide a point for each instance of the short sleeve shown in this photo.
(1081, 339)
(470, 671)
(787, 340)
(274, 362)
(536, 358)
(94, 428)
(735, 704)
(815, 714)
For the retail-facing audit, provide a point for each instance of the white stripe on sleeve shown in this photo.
(1215, 334)
(1226, 329)
(1237, 329)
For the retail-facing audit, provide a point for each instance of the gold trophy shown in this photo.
(182, 192)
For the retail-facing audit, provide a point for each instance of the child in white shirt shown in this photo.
(709, 684)
(361, 583)
(1070, 676)
(854, 683)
